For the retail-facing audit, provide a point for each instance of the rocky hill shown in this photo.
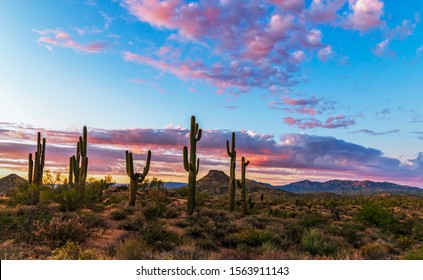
(10, 182)
(216, 182)
(349, 187)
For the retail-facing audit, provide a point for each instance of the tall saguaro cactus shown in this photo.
(78, 164)
(192, 166)
(241, 184)
(232, 155)
(36, 166)
(135, 178)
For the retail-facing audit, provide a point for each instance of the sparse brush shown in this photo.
(375, 251)
(72, 251)
(58, 231)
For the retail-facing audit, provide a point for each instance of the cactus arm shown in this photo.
(185, 154)
(30, 167)
(200, 132)
(147, 164)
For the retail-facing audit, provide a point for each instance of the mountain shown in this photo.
(10, 182)
(349, 187)
(173, 185)
(216, 182)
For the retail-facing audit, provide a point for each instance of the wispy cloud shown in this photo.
(58, 38)
(374, 133)
(332, 122)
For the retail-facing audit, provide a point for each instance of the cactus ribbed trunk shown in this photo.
(192, 166)
(241, 184)
(78, 164)
(232, 154)
(135, 178)
(36, 165)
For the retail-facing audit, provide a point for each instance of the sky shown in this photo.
(316, 90)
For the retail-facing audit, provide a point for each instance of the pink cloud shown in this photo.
(59, 38)
(382, 48)
(269, 156)
(325, 53)
(324, 11)
(290, 5)
(364, 15)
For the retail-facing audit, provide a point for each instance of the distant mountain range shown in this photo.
(348, 187)
(216, 182)
(173, 185)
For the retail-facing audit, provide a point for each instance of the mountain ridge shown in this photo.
(349, 187)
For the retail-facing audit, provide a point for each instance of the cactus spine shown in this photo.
(36, 166)
(135, 178)
(192, 166)
(232, 155)
(78, 164)
(241, 184)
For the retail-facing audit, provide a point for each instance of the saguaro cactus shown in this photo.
(241, 184)
(192, 166)
(135, 178)
(78, 164)
(36, 166)
(232, 155)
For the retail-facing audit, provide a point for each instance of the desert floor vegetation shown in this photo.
(39, 222)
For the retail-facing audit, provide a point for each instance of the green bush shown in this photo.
(153, 211)
(158, 237)
(118, 215)
(69, 198)
(312, 241)
(376, 215)
(253, 237)
(416, 254)
(27, 194)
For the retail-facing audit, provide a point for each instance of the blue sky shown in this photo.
(344, 73)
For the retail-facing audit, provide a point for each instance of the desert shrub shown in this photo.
(195, 231)
(72, 251)
(281, 213)
(94, 192)
(158, 237)
(415, 254)
(20, 224)
(230, 241)
(376, 215)
(118, 215)
(68, 198)
(27, 194)
(182, 191)
(115, 199)
(293, 231)
(134, 224)
(312, 219)
(206, 244)
(133, 248)
(313, 241)
(58, 231)
(374, 251)
(93, 221)
(153, 211)
(253, 237)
